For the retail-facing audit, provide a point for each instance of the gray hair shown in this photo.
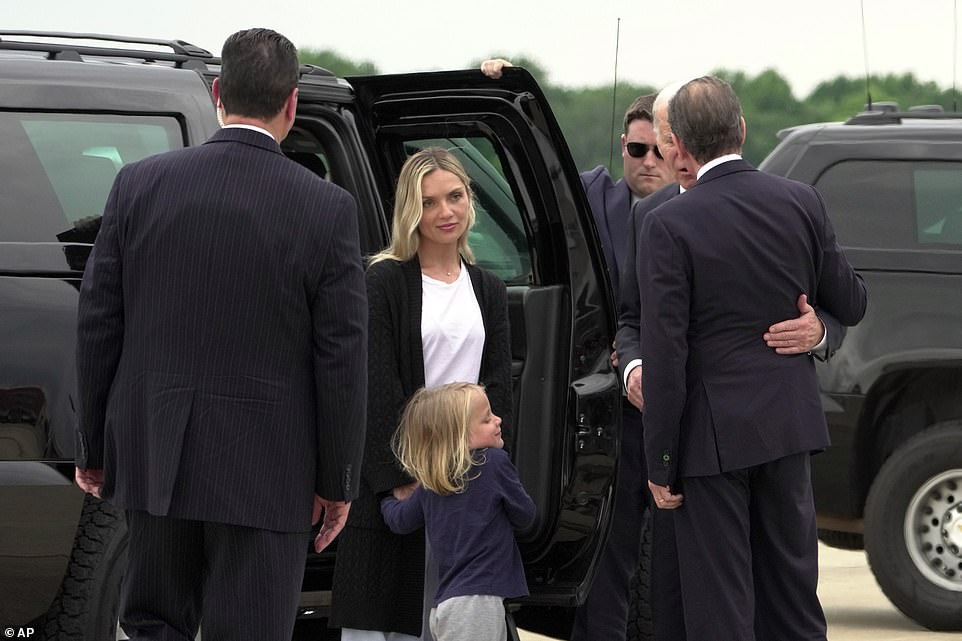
(706, 116)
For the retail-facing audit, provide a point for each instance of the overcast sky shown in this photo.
(806, 41)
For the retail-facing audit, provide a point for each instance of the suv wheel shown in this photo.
(86, 606)
(841, 540)
(639, 604)
(913, 527)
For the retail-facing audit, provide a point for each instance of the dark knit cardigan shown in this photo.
(379, 576)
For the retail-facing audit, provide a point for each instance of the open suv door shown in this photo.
(534, 230)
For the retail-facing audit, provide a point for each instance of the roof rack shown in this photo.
(888, 113)
(182, 54)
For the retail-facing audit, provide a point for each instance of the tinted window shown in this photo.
(57, 169)
(498, 238)
(895, 204)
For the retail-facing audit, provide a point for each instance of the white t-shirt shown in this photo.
(452, 331)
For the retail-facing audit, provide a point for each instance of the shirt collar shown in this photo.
(252, 128)
(714, 163)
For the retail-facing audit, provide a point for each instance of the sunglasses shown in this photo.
(639, 149)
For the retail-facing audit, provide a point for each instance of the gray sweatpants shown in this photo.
(477, 617)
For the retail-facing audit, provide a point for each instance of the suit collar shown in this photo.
(724, 169)
(247, 137)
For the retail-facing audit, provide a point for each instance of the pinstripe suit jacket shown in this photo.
(222, 338)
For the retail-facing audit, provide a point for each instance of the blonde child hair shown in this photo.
(432, 440)
(405, 237)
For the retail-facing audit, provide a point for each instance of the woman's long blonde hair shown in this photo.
(432, 441)
(405, 237)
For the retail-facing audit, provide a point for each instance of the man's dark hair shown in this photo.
(258, 72)
(641, 108)
(706, 116)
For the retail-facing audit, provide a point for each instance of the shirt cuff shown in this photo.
(821, 350)
(632, 364)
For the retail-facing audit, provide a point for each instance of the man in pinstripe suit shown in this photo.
(222, 390)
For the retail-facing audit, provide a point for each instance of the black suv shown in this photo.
(892, 480)
(74, 108)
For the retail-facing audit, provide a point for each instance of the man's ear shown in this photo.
(215, 91)
(744, 131)
(624, 150)
(682, 150)
(290, 107)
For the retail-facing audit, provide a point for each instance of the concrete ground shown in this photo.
(854, 605)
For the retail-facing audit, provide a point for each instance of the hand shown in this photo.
(614, 355)
(664, 499)
(90, 481)
(797, 335)
(404, 492)
(635, 396)
(335, 516)
(492, 68)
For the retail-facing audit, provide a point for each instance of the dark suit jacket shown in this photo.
(724, 261)
(628, 336)
(222, 338)
(611, 207)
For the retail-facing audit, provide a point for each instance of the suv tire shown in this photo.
(640, 626)
(841, 540)
(913, 527)
(86, 606)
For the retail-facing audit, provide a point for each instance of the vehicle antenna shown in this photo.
(955, 50)
(614, 97)
(868, 90)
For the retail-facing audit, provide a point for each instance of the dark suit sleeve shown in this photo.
(100, 332)
(628, 336)
(497, 352)
(665, 283)
(339, 313)
(841, 291)
(381, 469)
(835, 333)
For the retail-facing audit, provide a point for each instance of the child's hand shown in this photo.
(404, 492)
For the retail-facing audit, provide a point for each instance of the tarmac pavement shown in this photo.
(854, 605)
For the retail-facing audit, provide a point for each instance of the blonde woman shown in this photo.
(434, 318)
(469, 501)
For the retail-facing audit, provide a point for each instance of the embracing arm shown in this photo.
(840, 290)
(403, 517)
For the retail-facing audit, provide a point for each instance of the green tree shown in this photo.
(769, 106)
(336, 63)
(585, 114)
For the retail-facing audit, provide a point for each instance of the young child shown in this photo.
(469, 499)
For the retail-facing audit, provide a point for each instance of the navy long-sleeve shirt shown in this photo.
(472, 533)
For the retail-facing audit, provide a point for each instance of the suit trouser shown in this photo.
(748, 554)
(604, 614)
(243, 583)
(667, 606)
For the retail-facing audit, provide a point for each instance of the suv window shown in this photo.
(498, 238)
(895, 204)
(65, 166)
